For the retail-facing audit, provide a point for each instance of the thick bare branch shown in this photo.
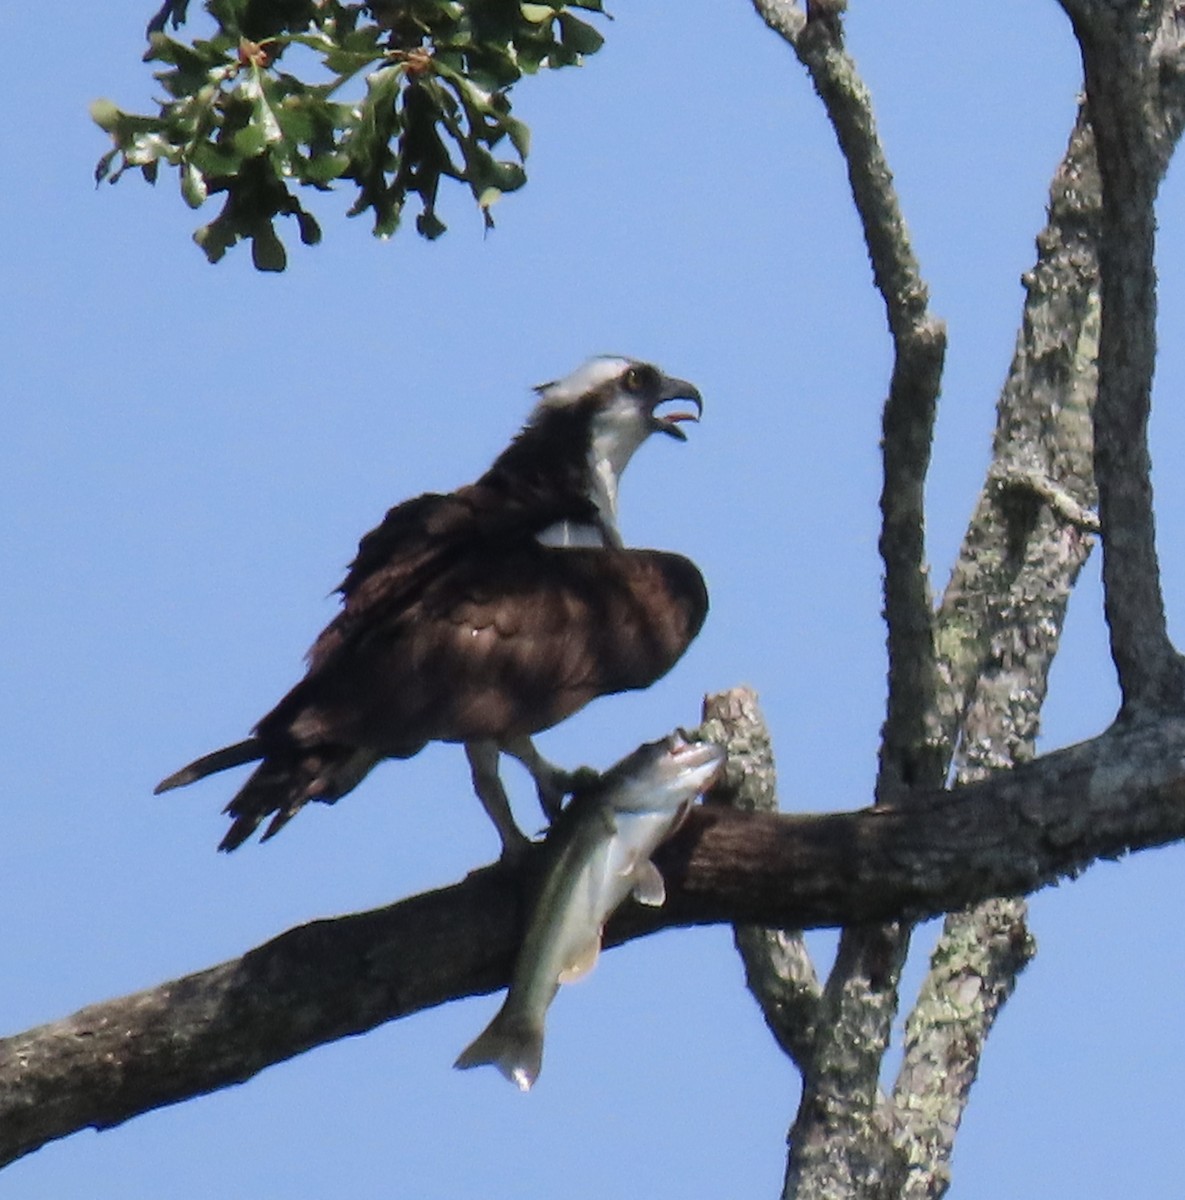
(833, 1142)
(972, 974)
(778, 967)
(1006, 835)
(1002, 617)
(998, 630)
(1003, 613)
(1033, 515)
(786, 18)
(909, 751)
(1121, 59)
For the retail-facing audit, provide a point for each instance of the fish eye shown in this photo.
(640, 378)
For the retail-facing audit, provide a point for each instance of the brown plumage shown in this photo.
(461, 622)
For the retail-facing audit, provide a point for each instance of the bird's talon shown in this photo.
(582, 779)
(552, 803)
(562, 784)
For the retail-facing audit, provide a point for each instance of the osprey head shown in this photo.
(621, 399)
(580, 437)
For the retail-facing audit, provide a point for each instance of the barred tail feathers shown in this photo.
(282, 785)
(209, 764)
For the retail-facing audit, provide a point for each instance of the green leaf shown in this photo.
(430, 226)
(297, 121)
(323, 168)
(193, 186)
(579, 36)
(214, 160)
(520, 134)
(213, 240)
(147, 148)
(171, 10)
(105, 115)
(260, 88)
(310, 231)
(103, 167)
(267, 251)
(507, 176)
(249, 141)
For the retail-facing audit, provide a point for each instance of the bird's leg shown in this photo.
(483, 766)
(551, 782)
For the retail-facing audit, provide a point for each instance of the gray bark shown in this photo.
(1123, 52)
(778, 967)
(1000, 620)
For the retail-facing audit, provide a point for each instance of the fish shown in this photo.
(597, 853)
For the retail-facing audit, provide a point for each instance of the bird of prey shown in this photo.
(486, 615)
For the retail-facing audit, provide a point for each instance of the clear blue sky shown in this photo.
(190, 453)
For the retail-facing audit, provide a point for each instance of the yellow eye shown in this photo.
(639, 378)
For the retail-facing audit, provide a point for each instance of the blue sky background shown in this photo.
(190, 453)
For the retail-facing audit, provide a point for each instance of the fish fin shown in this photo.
(680, 817)
(583, 961)
(648, 884)
(510, 1043)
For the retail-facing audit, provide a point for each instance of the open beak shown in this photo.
(673, 391)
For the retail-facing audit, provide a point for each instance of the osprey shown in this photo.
(486, 615)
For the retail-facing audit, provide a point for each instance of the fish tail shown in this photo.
(510, 1042)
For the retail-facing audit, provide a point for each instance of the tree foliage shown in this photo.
(263, 107)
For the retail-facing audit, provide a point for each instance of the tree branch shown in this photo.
(1030, 533)
(833, 1135)
(973, 972)
(1118, 43)
(1002, 616)
(778, 967)
(1007, 835)
(909, 750)
(997, 633)
(998, 630)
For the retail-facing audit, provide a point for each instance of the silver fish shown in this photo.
(598, 852)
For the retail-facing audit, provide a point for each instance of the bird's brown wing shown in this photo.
(419, 545)
(566, 625)
(500, 645)
(415, 543)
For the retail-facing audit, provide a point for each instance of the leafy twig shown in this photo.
(436, 106)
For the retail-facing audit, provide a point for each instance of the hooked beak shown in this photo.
(671, 389)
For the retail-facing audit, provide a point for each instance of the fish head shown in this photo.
(663, 775)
